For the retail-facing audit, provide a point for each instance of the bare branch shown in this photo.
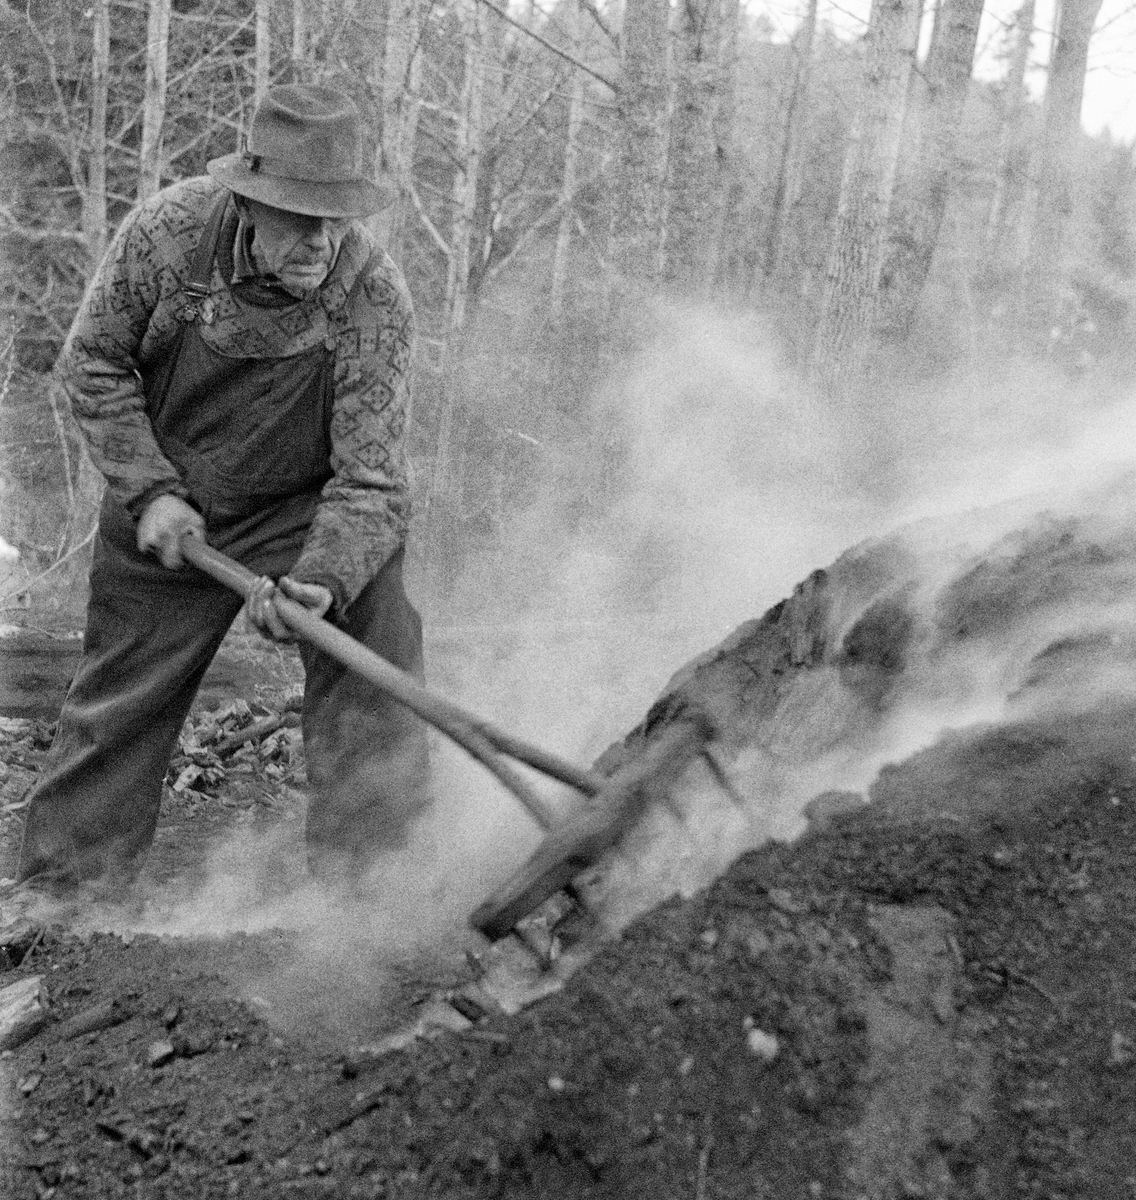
(430, 227)
(195, 67)
(549, 45)
(61, 433)
(553, 210)
(589, 7)
(33, 580)
(37, 236)
(63, 109)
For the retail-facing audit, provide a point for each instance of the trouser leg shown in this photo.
(366, 754)
(150, 636)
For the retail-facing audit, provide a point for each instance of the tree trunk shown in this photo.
(931, 167)
(468, 151)
(1046, 269)
(851, 292)
(299, 39)
(725, 121)
(487, 196)
(638, 213)
(94, 215)
(400, 109)
(154, 100)
(1012, 177)
(695, 169)
(263, 47)
(791, 160)
(561, 257)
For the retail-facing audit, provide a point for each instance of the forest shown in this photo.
(576, 180)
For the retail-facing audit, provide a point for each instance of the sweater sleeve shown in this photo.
(98, 370)
(364, 508)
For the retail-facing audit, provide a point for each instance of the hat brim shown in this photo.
(351, 198)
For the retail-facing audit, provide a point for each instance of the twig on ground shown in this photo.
(255, 732)
(1029, 981)
(35, 942)
(47, 633)
(704, 1164)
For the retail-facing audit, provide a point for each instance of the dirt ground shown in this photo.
(928, 994)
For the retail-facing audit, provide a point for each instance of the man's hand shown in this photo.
(260, 608)
(161, 525)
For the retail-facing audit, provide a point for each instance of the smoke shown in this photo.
(738, 482)
(732, 485)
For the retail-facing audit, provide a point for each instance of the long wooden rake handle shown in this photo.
(490, 746)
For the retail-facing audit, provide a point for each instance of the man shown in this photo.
(239, 369)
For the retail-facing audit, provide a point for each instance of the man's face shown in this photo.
(298, 250)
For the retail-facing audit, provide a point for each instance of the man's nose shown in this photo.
(317, 230)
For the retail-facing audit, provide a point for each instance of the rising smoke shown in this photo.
(737, 484)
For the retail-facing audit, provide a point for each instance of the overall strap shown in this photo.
(198, 282)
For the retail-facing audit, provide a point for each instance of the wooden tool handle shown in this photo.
(481, 739)
(579, 842)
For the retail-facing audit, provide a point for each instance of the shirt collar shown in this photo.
(249, 280)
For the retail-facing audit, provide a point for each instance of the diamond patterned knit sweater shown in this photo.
(129, 318)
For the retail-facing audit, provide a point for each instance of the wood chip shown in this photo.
(23, 1011)
(92, 1020)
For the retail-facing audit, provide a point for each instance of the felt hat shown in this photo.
(304, 154)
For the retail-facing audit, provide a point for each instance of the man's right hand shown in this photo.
(161, 525)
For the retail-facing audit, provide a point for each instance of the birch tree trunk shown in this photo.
(925, 178)
(1064, 93)
(791, 159)
(851, 292)
(154, 99)
(94, 214)
(638, 205)
(695, 171)
(263, 47)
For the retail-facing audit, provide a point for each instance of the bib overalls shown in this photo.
(250, 438)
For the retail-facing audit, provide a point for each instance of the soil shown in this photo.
(926, 988)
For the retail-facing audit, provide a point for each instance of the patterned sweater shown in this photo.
(128, 319)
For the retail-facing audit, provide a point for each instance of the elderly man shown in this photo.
(239, 369)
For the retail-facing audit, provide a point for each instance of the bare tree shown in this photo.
(299, 39)
(725, 138)
(1064, 93)
(696, 169)
(930, 165)
(470, 145)
(638, 200)
(792, 152)
(399, 91)
(1011, 176)
(568, 180)
(851, 294)
(263, 46)
(154, 98)
(95, 194)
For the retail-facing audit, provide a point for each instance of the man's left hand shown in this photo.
(260, 608)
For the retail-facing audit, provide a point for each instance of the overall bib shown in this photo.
(250, 439)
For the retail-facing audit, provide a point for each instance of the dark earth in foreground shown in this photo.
(932, 994)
